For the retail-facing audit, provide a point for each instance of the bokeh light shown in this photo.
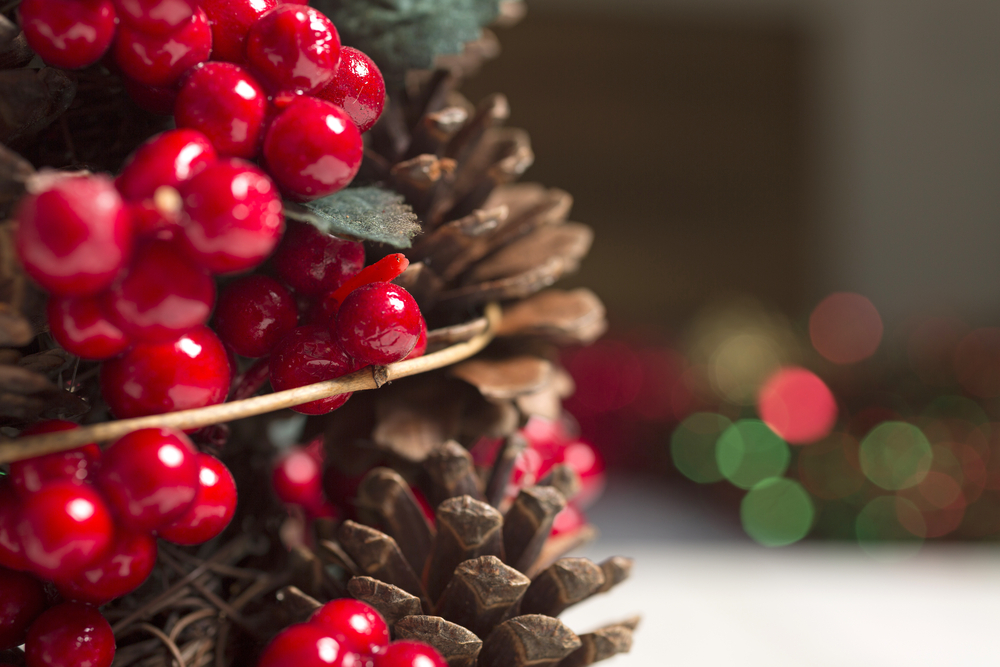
(829, 469)
(845, 328)
(777, 512)
(880, 521)
(608, 375)
(741, 364)
(692, 446)
(749, 452)
(797, 405)
(977, 363)
(895, 455)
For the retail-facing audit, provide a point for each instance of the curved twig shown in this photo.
(159, 634)
(366, 378)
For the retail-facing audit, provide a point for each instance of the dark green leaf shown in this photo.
(369, 213)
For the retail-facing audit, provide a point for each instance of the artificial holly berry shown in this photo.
(70, 635)
(363, 629)
(297, 478)
(82, 326)
(253, 314)
(68, 33)
(408, 653)
(164, 160)
(358, 88)
(11, 552)
(156, 17)
(421, 345)
(308, 645)
(121, 569)
(293, 48)
(385, 270)
(76, 465)
(22, 599)
(313, 263)
(230, 21)
(378, 324)
(226, 104)
(213, 507)
(160, 60)
(308, 355)
(75, 235)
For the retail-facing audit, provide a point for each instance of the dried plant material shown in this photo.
(15, 331)
(424, 284)
(49, 361)
(377, 555)
(488, 418)
(528, 641)
(414, 419)
(482, 594)
(457, 645)
(14, 174)
(563, 584)
(602, 644)
(569, 242)
(466, 528)
(391, 601)
(558, 546)
(30, 99)
(452, 474)
(420, 178)
(296, 605)
(385, 500)
(455, 334)
(505, 378)
(456, 245)
(503, 468)
(434, 130)
(528, 523)
(567, 317)
(14, 49)
(616, 570)
(563, 479)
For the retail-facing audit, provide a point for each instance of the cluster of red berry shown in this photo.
(87, 521)
(345, 633)
(254, 76)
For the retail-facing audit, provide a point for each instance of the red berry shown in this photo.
(155, 17)
(150, 222)
(235, 217)
(70, 635)
(378, 324)
(154, 378)
(11, 552)
(384, 270)
(568, 520)
(308, 645)
(73, 465)
(154, 99)
(297, 478)
(293, 48)
(165, 160)
(120, 570)
(63, 527)
(363, 628)
(75, 236)
(226, 104)
(22, 599)
(358, 88)
(82, 327)
(230, 21)
(312, 148)
(149, 477)
(421, 345)
(68, 33)
(160, 60)
(305, 356)
(213, 507)
(313, 263)
(410, 654)
(254, 313)
(587, 463)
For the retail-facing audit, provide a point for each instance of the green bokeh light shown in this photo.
(882, 533)
(749, 452)
(829, 468)
(692, 446)
(895, 455)
(777, 512)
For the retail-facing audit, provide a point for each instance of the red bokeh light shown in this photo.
(797, 405)
(845, 328)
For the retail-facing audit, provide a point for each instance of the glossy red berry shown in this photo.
(155, 17)
(63, 527)
(358, 88)
(73, 465)
(213, 507)
(160, 60)
(81, 325)
(155, 378)
(364, 630)
(313, 263)
(312, 148)
(408, 653)
(297, 478)
(308, 645)
(254, 313)
(22, 599)
(230, 21)
(70, 635)
(75, 236)
(68, 33)
(293, 48)
(305, 356)
(235, 216)
(421, 345)
(149, 477)
(223, 102)
(120, 570)
(11, 552)
(378, 324)
(165, 160)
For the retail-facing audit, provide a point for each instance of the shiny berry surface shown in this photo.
(213, 507)
(378, 324)
(253, 314)
(167, 159)
(149, 477)
(363, 628)
(73, 465)
(308, 645)
(70, 635)
(305, 356)
(358, 88)
(81, 325)
(75, 236)
(293, 48)
(160, 60)
(120, 570)
(155, 378)
(313, 263)
(297, 478)
(68, 33)
(230, 21)
(408, 653)
(11, 552)
(235, 216)
(223, 102)
(155, 17)
(421, 345)
(312, 148)
(22, 599)
(63, 527)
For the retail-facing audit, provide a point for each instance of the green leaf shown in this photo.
(369, 213)
(407, 34)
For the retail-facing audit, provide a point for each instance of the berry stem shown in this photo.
(366, 378)
(385, 270)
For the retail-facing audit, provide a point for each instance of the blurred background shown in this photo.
(797, 219)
